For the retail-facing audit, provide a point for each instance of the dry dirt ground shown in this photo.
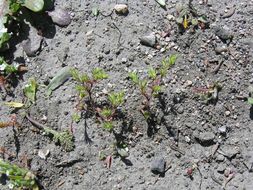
(215, 137)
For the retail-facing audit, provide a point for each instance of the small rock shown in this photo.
(188, 83)
(221, 49)
(149, 40)
(220, 158)
(89, 33)
(123, 152)
(43, 154)
(121, 9)
(124, 60)
(230, 151)
(180, 109)
(170, 17)
(33, 44)
(158, 165)
(222, 129)
(206, 137)
(221, 168)
(223, 34)
(227, 113)
(187, 139)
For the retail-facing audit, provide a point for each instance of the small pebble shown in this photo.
(158, 165)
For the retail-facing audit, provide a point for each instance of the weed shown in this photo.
(188, 16)
(17, 177)
(64, 138)
(209, 94)
(151, 87)
(107, 114)
(86, 85)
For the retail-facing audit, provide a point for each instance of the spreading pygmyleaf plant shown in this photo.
(151, 86)
(106, 113)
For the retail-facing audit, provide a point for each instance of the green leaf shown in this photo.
(64, 138)
(84, 78)
(157, 89)
(143, 85)
(99, 74)
(75, 74)
(108, 126)
(134, 77)
(76, 117)
(172, 59)
(30, 90)
(146, 114)
(161, 2)
(152, 73)
(116, 99)
(60, 78)
(81, 90)
(106, 112)
(95, 11)
(250, 101)
(33, 5)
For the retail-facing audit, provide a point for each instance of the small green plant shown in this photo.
(18, 178)
(151, 87)
(209, 94)
(86, 84)
(188, 16)
(64, 138)
(106, 114)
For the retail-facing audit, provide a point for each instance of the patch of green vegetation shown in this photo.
(17, 177)
(151, 86)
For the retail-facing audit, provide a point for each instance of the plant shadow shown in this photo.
(251, 112)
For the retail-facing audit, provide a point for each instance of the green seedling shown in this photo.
(17, 177)
(188, 16)
(76, 117)
(30, 90)
(86, 84)
(209, 94)
(64, 138)
(151, 87)
(108, 115)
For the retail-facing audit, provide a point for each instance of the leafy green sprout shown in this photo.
(86, 82)
(152, 86)
(64, 138)
(108, 114)
(250, 101)
(18, 177)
